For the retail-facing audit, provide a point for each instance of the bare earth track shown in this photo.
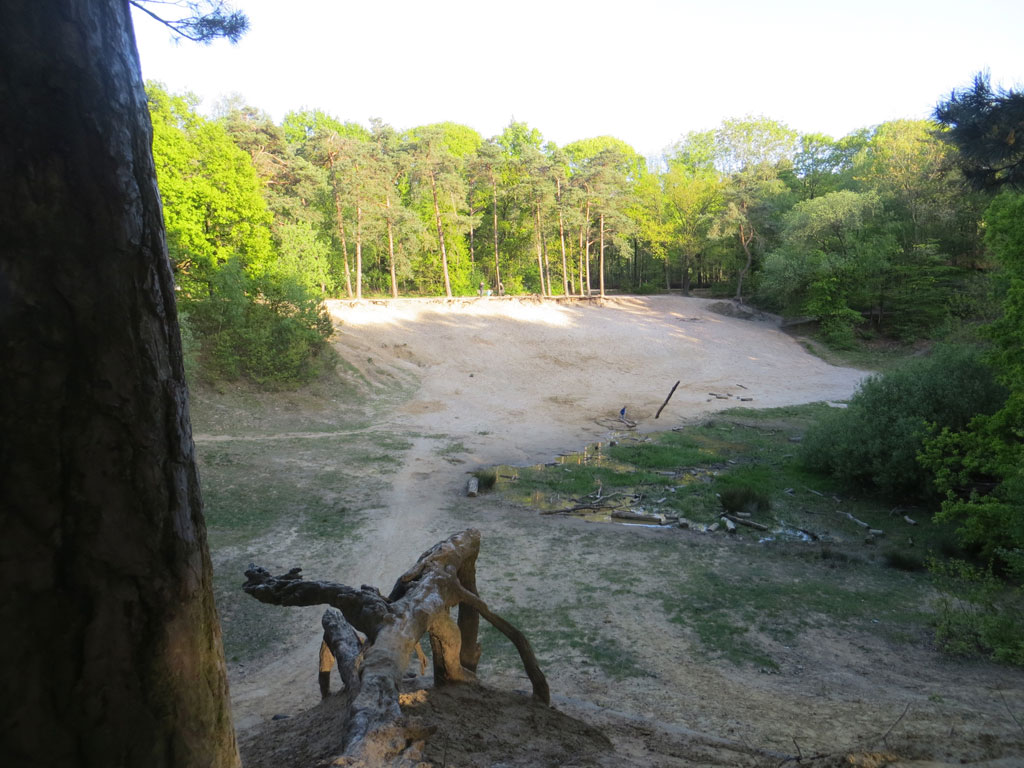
(476, 382)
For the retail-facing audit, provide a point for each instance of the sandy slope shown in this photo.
(535, 375)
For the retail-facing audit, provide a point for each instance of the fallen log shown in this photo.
(420, 602)
(746, 522)
(637, 517)
(861, 523)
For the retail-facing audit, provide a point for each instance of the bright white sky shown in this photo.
(645, 71)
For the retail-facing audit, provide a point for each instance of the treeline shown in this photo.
(877, 230)
(950, 427)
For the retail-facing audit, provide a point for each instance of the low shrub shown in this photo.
(904, 560)
(486, 478)
(875, 442)
(979, 614)
(744, 499)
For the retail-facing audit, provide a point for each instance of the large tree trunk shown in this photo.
(601, 260)
(420, 602)
(111, 645)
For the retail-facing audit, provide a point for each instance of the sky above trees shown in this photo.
(647, 71)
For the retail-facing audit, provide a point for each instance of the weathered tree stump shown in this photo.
(420, 603)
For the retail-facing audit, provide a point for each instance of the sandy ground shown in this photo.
(518, 381)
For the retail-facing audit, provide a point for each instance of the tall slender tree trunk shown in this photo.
(497, 265)
(455, 219)
(579, 272)
(587, 243)
(359, 250)
(561, 239)
(391, 247)
(547, 268)
(746, 237)
(440, 237)
(539, 238)
(344, 243)
(601, 269)
(111, 644)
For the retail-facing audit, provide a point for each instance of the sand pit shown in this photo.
(520, 379)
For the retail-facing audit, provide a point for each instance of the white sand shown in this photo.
(534, 376)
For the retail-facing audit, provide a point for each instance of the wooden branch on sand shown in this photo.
(746, 522)
(420, 603)
(671, 392)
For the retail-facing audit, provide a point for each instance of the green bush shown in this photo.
(744, 499)
(875, 442)
(486, 478)
(268, 330)
(978, 614)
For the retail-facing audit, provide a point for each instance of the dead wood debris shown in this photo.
(443, 577)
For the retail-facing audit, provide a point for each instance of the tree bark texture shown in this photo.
(111, 644)
(420, 603)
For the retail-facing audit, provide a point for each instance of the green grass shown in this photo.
(670, 450)
(742, 612)
(740, 606)
(313, 493)
(559, 634)
(866, 356)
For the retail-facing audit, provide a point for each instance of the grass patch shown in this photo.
(557, 636)
(865, 355)
(670, 450)
(741, 612)
(486, 478)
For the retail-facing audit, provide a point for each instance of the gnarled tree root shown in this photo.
(420, 603)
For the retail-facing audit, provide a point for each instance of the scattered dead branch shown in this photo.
(671, 392)
(746, 522)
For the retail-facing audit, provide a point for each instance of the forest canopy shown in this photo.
(873, 234)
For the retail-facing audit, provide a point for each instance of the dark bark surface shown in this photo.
(111, 645)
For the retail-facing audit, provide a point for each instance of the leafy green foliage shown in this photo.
(979, 614)
(875, 442)
(980, 466)
(254, 310)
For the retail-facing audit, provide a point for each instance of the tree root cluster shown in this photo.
(420, 603)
